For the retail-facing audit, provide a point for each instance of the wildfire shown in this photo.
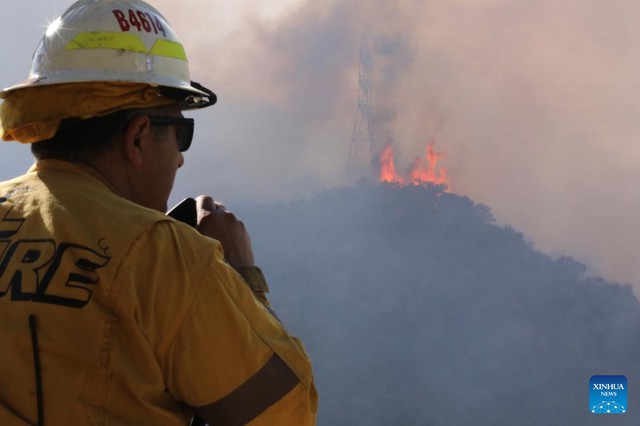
(423, 170)
(388, 167)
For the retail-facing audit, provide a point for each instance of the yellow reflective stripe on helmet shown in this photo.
(128, 42)
(169, 49)
(100, 40)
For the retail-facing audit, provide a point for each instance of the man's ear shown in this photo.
(136, 139)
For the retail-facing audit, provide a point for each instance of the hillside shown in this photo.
(417, 309)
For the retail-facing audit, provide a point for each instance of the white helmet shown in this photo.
(115, 41)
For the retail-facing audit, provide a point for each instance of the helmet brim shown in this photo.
(196, 97)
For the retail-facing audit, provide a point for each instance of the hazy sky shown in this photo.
(534, 102)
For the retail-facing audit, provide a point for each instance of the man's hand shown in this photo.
(215, 221)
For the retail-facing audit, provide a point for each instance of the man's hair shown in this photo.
(83, 140)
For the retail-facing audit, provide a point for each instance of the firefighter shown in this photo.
(111, 312)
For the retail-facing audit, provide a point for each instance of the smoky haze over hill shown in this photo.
(534, 102)
(417, 309)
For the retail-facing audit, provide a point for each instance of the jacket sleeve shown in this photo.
(232, 357)
(254, 278)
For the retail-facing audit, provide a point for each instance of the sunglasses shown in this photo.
(184, 126)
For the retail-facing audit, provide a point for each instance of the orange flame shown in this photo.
(388, 167)
(422, 173)
(423, 170)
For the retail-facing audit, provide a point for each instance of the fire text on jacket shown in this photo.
(41, 270)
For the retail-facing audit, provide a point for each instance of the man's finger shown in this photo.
(205, 202)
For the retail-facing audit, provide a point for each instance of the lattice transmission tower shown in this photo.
(362, 148)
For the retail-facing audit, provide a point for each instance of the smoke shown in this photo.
(294, 83)
(534, 104)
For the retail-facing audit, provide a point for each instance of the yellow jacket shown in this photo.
(135, 316)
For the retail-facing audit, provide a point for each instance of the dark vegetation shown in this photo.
(417, 309)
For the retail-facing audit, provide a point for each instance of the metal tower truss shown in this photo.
(362, 148)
